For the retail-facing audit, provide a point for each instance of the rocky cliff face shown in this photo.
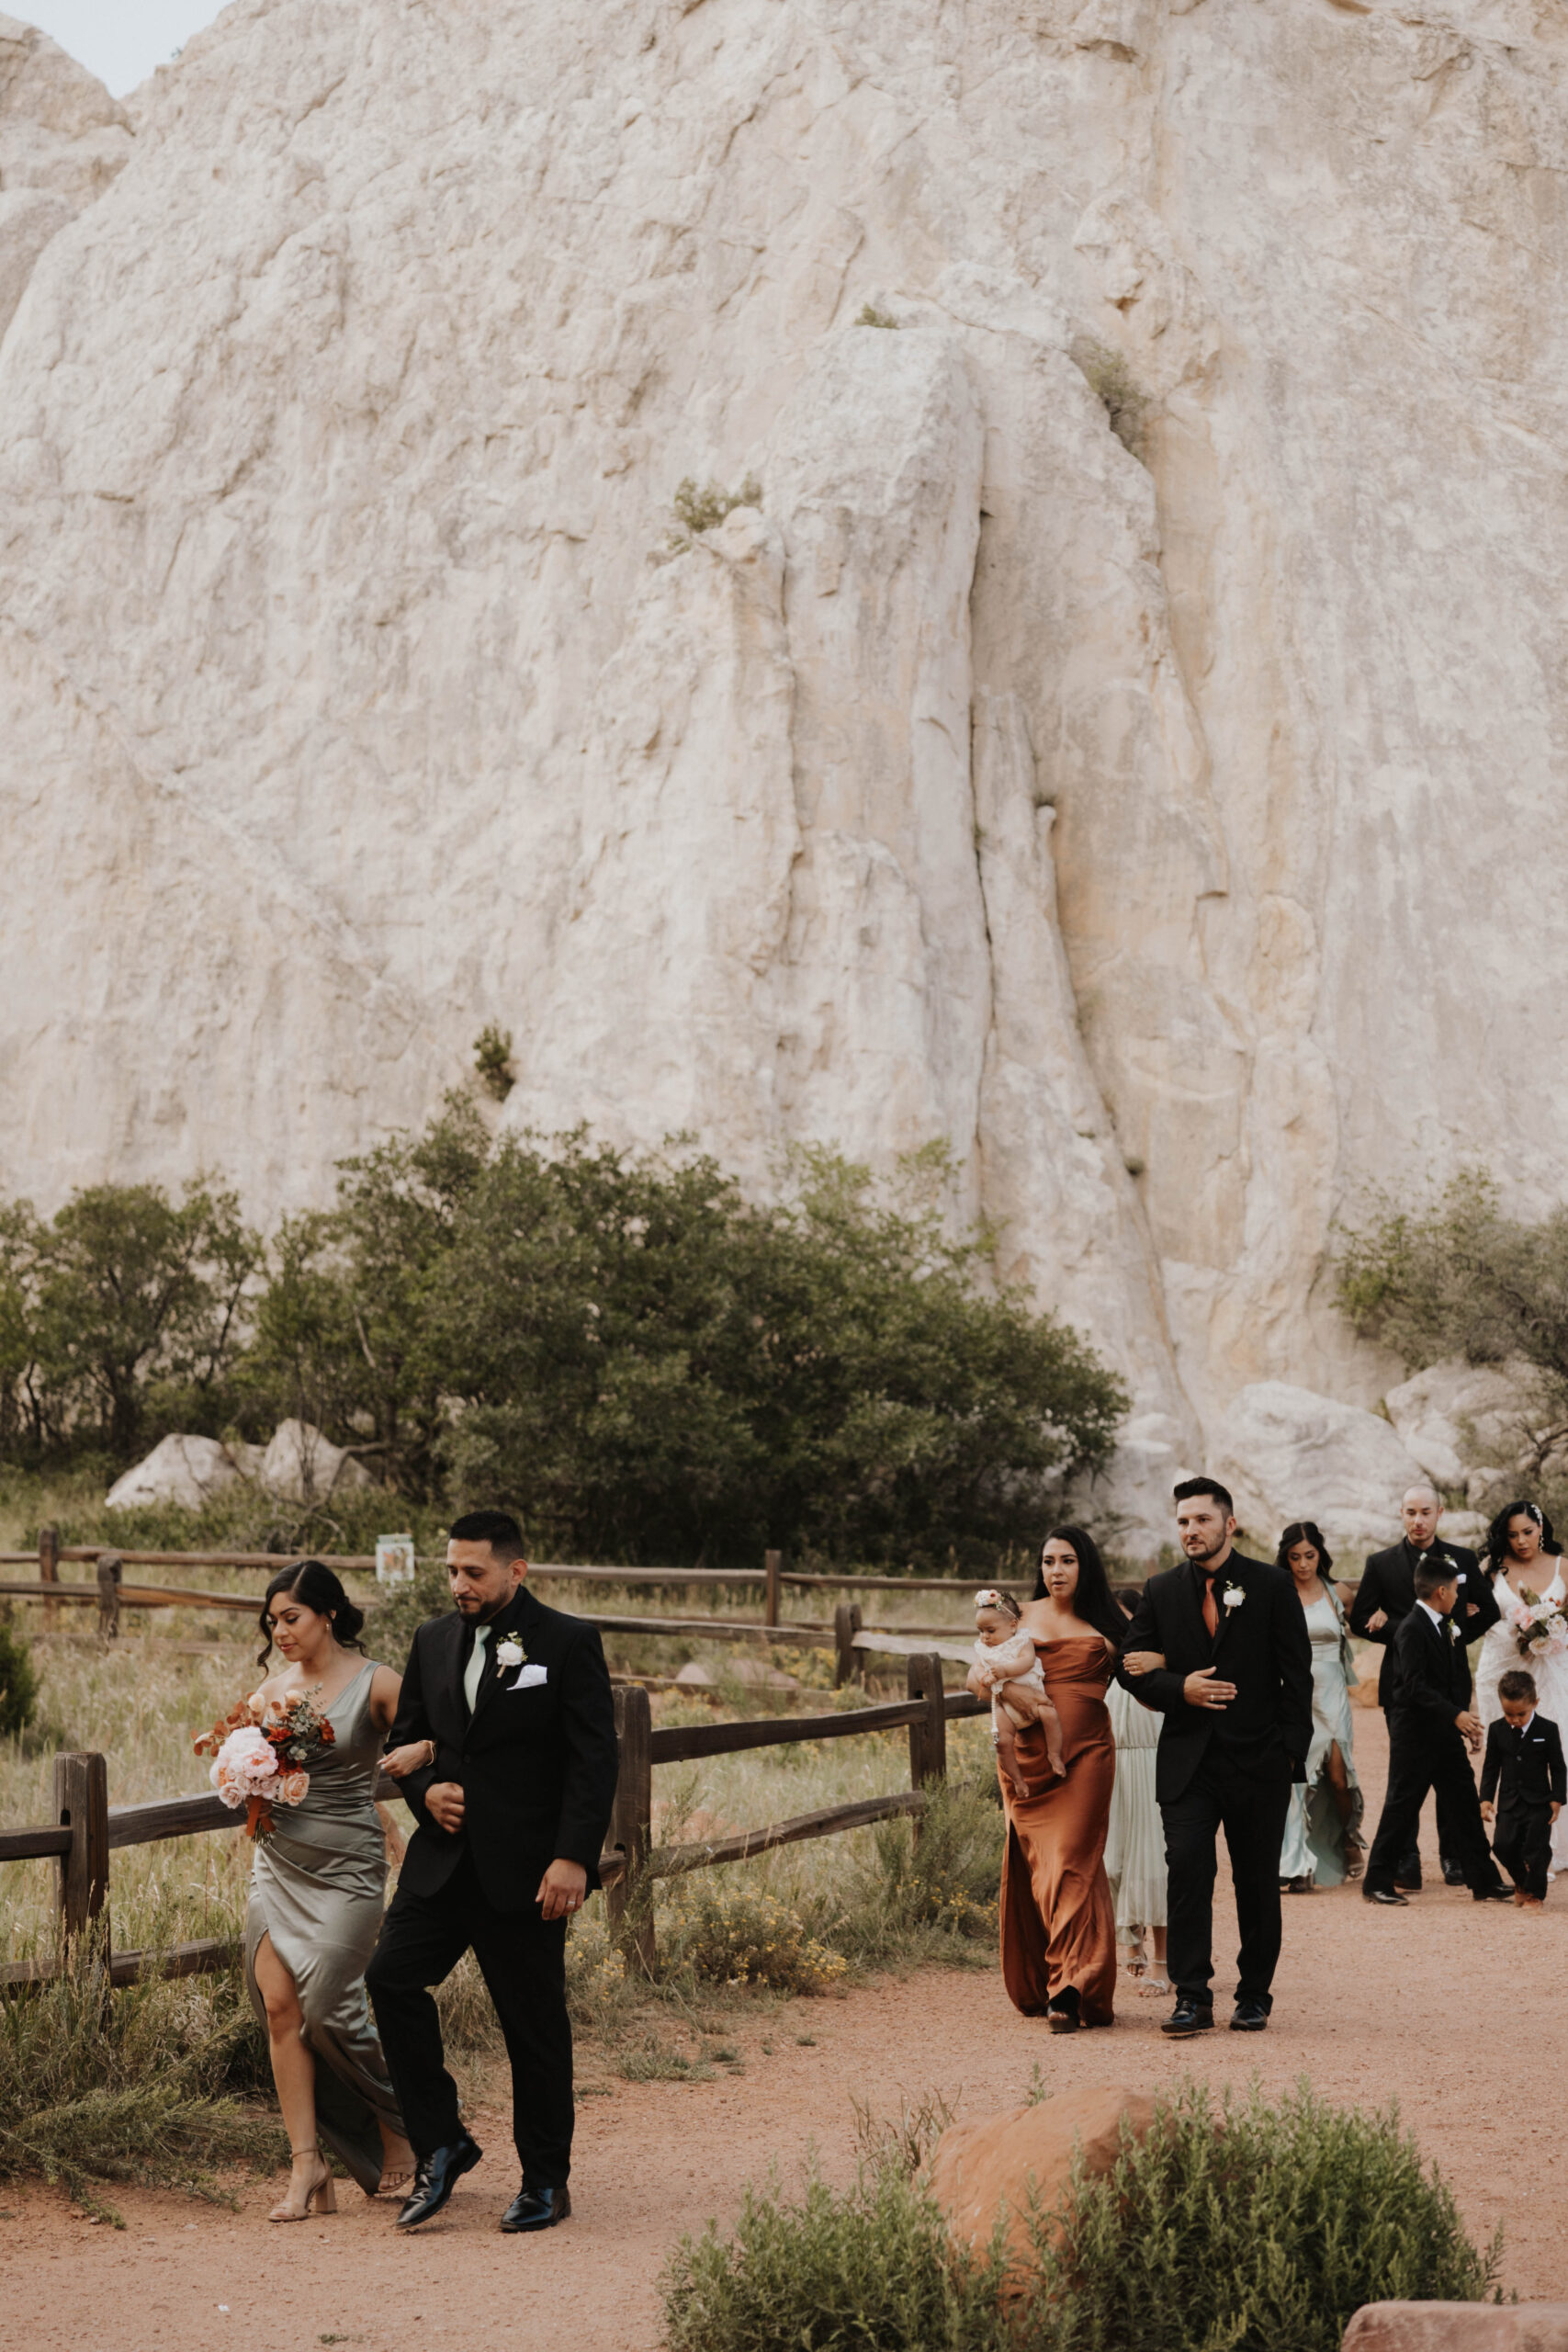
(1173, 828)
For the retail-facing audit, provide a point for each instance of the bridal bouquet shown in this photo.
(1540, 1629)
(258, 1757)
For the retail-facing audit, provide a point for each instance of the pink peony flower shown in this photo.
(292, 1787)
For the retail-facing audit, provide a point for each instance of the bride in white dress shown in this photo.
(1524, 1558)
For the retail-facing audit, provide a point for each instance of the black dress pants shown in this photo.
(1225, 1794)
(1522, 1843)
(1420, 1759)
(523, 1961)
(1450, 1841)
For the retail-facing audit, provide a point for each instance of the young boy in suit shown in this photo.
(1524, 1753)
(1429, 1727)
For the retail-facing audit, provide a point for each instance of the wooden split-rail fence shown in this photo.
(851, 1637)
(86, 1828)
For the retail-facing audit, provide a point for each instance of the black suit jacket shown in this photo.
(1262, 1646)
(1531, 1770)
(536, 1766)
(1431, 1677)
(1388, 1582)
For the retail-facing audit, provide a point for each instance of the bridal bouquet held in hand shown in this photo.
(259, 1753)
(1540, 1629)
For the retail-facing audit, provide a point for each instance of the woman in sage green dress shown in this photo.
(317, 1895)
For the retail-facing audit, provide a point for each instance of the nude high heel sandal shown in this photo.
(320, 2197)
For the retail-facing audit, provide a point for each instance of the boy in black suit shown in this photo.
(1524, 1753)
(1429, 1727)
(1385, 1597)
(1219, 1646)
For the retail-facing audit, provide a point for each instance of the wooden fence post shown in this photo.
(771, 1562)
(928, 1738)
(82, 1805)
(49, 1566)
(846, 1625)
(629, 1901)
(110, 1568)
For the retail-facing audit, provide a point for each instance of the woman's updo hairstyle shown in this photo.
(1497, 1552)
(1304, 1531)
(315, 1585)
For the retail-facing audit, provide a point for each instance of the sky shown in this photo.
(119, 40)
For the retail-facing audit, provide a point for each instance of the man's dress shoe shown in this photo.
(1493, 1894)
(537, 2209)
(1189, 2016)
(1453, 1873)
(1384, 1895)
(434, 2178)
(1249, 2015)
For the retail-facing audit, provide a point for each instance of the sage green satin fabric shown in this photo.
(318, 1889)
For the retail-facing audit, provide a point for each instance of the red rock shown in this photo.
(978, 2168)
(1458, 2327)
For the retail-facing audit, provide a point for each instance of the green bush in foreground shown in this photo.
(873, 2270)
(1255, 2229)
(1258, 2228)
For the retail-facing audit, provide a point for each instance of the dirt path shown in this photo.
(1371, 2007)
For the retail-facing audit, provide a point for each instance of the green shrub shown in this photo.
(872, 315)
(1316, 2209)
(492, 1060)
(873, 2270)
(18, 1684)
(1256, 2229)
(743, 1935)
(703, 510)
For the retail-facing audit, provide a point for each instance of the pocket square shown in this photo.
(529, 1678)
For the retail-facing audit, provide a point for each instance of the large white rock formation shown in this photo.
(1158, 828)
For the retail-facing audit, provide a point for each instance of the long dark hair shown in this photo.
(1304, 1531)
(1497, 1552)
(312, 1582)
(1094, 1602)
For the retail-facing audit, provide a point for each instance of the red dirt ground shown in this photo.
(1418, 2004)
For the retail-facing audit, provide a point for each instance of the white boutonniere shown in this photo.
(509, 1653)
(1453, 1629)
(1233, 1596)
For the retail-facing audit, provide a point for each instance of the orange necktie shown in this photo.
(1211, 1608)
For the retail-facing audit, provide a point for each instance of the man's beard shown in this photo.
(1217, 1546)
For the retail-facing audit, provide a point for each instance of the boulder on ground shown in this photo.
(1459, 1419)
(301, 1465)
(1026, 2156)
(1287, 1452)
(182, 1470)
(695, 1676)
(1458, 2327)
(1132, 1495)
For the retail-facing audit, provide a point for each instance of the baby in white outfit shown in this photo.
(1006, 1657)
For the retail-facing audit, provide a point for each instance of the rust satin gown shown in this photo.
(1058, 1923)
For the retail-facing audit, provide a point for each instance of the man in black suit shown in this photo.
(1524, 1752)
(1429, 1727)
(1220, 1645)
(512, 1700)
(1386, 1597)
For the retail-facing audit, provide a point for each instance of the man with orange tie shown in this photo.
(1219, 1646)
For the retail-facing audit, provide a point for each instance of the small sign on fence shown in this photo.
(394, 1559)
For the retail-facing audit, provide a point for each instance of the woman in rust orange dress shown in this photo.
(1058, 1924)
